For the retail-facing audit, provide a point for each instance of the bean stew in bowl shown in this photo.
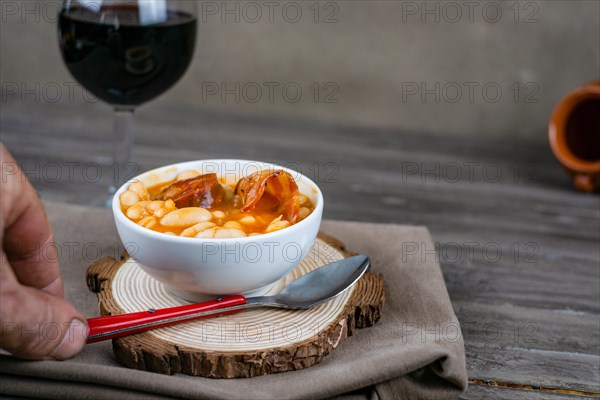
(218, 227)
(208, 206)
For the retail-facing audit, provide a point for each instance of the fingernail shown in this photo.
(72, 342)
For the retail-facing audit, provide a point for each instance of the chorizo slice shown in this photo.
(270, 190)
(202, 191)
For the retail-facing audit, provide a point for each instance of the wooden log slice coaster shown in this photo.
(250, 343)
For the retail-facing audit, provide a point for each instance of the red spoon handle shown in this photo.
(113, 326)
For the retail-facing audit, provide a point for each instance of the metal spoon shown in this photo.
(316, 287)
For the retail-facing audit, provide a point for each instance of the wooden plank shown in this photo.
(478, 392)
(540, 368)
(534, 347)
(510, 326)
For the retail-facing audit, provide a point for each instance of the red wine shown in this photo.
(122, 61)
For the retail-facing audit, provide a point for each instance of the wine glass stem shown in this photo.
(122, 141)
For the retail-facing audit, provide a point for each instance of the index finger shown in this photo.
(26, 234)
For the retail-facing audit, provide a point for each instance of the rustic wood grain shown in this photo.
(532, 202)
(572, 371)
(525, 327)
(487, 392)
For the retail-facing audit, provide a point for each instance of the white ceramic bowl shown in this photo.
(195, 268)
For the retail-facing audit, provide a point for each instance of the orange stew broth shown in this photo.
(262, 214)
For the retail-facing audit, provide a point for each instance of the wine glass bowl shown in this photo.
(126, 53)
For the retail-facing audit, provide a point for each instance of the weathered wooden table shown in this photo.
(519, 248)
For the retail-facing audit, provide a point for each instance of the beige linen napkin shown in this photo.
(415, 351)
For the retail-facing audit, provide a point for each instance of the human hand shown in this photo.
(36, 321)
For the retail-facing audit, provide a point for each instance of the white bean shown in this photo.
(232, 224)
(185, 217)
(196, 229)
(129, 198)
(302, 199)
(248, 220)
(137, 211)
(218, 214)
(160, 208)
(157, 208)
(207, 233)
(277, 224)
(137, 186)
(304, 212)
(155, 205)
(224, 233)
(165, 209)
(140, 189)
(148, 222)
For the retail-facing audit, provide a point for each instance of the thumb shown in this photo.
(36, 324)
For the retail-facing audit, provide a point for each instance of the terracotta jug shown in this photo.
(574, 133)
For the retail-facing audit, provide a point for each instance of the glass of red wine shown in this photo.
(127, 52)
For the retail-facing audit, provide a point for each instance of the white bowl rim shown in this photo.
(118, 213)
